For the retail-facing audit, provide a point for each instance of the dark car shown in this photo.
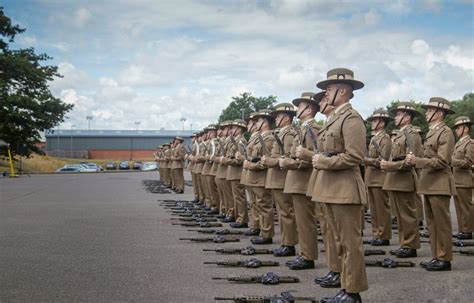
(124, 165)
(111, 166)
(137, 165)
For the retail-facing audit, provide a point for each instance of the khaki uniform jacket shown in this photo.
(297, 178)
(257, 171)
(166, 158)
(275, 176)
(463, 159)
(222, 167)
(436, 177)
(374, 176)
(193, 153)
(339, 179)
(234, 166)
(400, 176)
(217, 153)
(178, 156)
(249, 149)
(200, 158)
(211, 147)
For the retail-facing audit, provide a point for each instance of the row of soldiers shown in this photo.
(311, 173)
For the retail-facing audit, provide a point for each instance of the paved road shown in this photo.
(102, 237)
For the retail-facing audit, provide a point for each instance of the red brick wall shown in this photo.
(121, 154)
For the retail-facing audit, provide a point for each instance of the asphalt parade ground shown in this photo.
(102, 237)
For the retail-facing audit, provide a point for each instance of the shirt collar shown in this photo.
(435, 125)
(342, 107)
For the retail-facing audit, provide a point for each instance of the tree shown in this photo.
(27, 106)
(244, 105)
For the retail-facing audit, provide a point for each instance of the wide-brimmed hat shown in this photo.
(283, 108)
(440, 103)
(340, 75)
(239, 122)
(225, 124)
(250, 117)
(462, 120)
(266, 113)
(379, 114)
(211, 127)
(306, 97)
(179, 138)
(405, 106)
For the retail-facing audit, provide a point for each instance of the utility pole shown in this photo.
(72, 126)
(89, 118)
(137, 124)
(183, 120)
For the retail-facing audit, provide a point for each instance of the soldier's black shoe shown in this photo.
(261, 240)
(464, 236)
(329, 275)
(347, 298)
(426, 263)
(213, 211)
(252, 232)
(406, 253)
(301, 264)
(284, 251)
(220, 216)
(333, 282)
(438, 265)
(395, 252)
(228, 220)
(239, 225)
(196, 200)
(380, 242)
(341, 293)
(289, 262)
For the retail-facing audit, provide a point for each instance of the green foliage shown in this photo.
(245, 103)
(27, 106)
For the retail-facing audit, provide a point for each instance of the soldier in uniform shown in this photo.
(339, 183)
(284, 135)
(166, 165)
(191, 167)
(244, 155)
(437, 182)
(199, 162)
(226, 187)
(380, 147)
(219, 171)
(299, 167)
(418, 198)
(234, 173)
(463, 159)
(401, 179)
(177, 165)
(209, 170)
(257, 176)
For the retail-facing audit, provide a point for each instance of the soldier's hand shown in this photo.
(410, 159)
(246, 164)
(299, 151)
(315, 160)
(383, 164)
(262, 160)
(283, 162)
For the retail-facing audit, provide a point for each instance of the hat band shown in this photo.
(406, 107)
(340, 77)
(439, 104)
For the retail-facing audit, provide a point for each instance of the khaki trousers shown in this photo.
(264, 204)
(330, 246)
(213, 193)
(178, 177)
(305, 217)
(345, 221)
(220, 192)
(286, 217)
(438, 221)
(464, 209)
(380, 210)
(407, 220)
(419, 208)
(240, 201)
(195, 185)
(228, 198)
(168, 177)
(202, 194)
(253, 220)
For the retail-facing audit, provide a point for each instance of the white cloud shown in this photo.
(81, 17)
(72, 77)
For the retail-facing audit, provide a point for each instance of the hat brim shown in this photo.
(393, 111)
(257, 116)
(371, 118)
(354, 83)
(448, 111)
(463, 123)
(274, 114)
(297, 102)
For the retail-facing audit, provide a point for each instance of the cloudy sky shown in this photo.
(155, 61)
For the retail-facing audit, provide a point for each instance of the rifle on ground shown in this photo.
(219, 231)
(247, 251)
(199, 224)
(250, 263)
(374, 252)
(194, 219)
(460, 243)
(266, 279)
(215, 239)
(194, 215)
(467, 252)
(388, 263)
(286, 297)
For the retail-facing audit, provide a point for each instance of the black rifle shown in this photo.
(460, 243)
(377, 149)
(215, 239)
(280, 144)
(262, 143)
(194, 215)
(250, 263)
(389, 263)
(374, 252)
(408, 140)
(267, 279)
(219, 231)
(313, 137)
(194, 219)
(286, 297)
(247, 251)
(199, 224)
(467, 252)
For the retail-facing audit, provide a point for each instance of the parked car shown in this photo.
(149, 166)
(91, 166)
(68, 170)
(137, 165)
(124, 165)
(111, 166)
